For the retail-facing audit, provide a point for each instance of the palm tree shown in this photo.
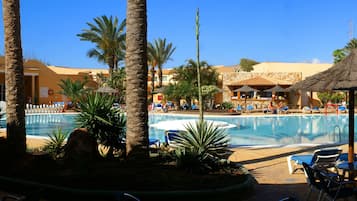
(158, 54)
(14, 78)
(340, 54)
(109, 38)
(73, 89)
(186, 76)
(137, 136)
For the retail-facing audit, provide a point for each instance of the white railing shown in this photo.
(44, 108)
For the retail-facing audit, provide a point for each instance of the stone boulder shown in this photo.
(81, 147)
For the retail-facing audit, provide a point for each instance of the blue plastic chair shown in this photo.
(250, 108)
(239, 108)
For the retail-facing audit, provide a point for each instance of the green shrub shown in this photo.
(227, 105)
(105, 123)
(334, 97)
(55, 144)
(201, 147)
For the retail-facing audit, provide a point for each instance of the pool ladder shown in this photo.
(339, 132)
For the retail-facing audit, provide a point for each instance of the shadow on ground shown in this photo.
(285, 154)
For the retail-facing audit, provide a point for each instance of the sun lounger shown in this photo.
(154, 142)
(342, 108)
(170, 136)
(320, 159)
(284, 109)
(315, 109)
(306, 109)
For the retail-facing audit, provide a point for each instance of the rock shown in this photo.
(81, 147)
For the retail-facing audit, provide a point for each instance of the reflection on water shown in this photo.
(45, 124)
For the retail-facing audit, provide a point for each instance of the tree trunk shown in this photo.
(152, 74)
(14, 78)
(159, 71)
(137, 137)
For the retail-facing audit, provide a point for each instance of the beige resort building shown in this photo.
(267, 75)
(41, 82)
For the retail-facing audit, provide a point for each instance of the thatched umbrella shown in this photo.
(245, 88)
(276, 88)
(341, 76)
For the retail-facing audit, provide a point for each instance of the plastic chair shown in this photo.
(250, 108)
(312, 181)
(334, 188)
(320, 159)
(239, 108)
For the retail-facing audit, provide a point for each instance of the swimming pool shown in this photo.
(249, 130)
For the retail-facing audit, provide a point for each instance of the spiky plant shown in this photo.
(104, 122)
(55, 144)
(202, 143)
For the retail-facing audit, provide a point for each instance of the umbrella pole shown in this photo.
(351, 126)
(245, 103)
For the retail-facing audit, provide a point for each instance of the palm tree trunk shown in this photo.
(152, 74)
(159, 71)
(14, 78)
(137, 137)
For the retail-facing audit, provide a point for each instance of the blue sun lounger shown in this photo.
(320, 159)
(155, 142)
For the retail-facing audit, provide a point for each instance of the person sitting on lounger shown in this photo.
(282, 108)
(272, 108)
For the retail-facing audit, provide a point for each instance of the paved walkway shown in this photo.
(269, 167)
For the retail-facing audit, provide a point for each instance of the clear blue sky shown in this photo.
(275, 31)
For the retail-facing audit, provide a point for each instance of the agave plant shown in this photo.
(55, 144)
(201, 146)
(104, 122)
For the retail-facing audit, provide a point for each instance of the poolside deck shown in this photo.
(269, 167)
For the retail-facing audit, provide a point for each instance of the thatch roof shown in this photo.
(276, 88)
(341, 76)
(245, 88)
(259, 81)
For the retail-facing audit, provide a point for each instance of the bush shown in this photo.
(335, 97)
(227, 105)
(55, 144)
(105, 123)
(201, 147)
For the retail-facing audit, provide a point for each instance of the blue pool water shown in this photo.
(250, 130)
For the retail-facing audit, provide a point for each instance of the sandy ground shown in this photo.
(270, 169)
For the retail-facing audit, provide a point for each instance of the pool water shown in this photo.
(277, 129)
(249, 130)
